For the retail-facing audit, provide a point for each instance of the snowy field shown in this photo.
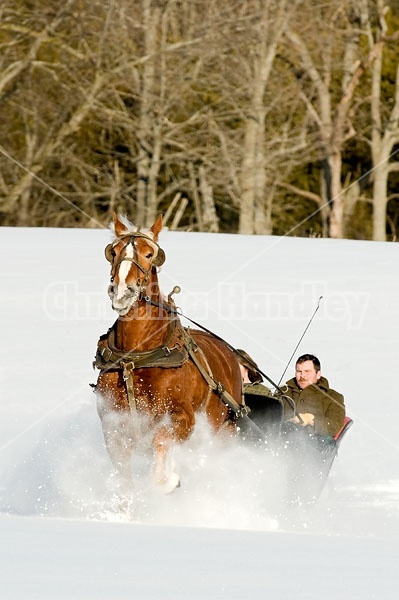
(221, 535)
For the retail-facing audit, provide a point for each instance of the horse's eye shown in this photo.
(111, 280)
(150, 255)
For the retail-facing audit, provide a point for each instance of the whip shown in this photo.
(300, 339)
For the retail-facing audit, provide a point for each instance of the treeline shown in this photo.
(258, 116)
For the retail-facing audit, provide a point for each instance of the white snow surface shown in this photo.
(221, 534)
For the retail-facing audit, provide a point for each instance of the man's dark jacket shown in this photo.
(327, 405)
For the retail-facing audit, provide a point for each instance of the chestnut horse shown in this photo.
(156, 375)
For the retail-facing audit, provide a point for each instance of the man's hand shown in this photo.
(307, 419)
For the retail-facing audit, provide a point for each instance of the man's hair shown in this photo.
(314, 359)
(248, 362)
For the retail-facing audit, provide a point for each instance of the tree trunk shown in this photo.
(384, 125)
(146, 150)
(252, 178)
(209, 214)
(153, 172)
(336, 197)
(380, 201)
(247, 209)
(331, 115)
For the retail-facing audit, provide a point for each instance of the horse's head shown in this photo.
(133, 256)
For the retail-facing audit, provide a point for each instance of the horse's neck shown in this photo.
(145, 327)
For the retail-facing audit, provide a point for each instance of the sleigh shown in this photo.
(267, 414)
(308, 465)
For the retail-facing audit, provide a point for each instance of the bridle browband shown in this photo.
(129, 238)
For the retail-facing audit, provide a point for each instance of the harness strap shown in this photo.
(109, 357)
(279, 392)
(173, 310)
(191, 351)
(238, 410)
(127, 374)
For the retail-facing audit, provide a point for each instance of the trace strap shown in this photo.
(215, 335)
(239, 410)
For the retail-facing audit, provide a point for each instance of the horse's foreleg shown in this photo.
(165, 477)
(119, 444)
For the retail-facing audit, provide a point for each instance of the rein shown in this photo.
(236, 352)
(215, 335)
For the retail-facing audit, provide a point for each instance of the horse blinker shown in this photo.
(109, 253)
(160, 258)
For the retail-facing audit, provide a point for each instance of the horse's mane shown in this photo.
(130, 227)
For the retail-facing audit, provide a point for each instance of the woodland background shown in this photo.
(251, 116)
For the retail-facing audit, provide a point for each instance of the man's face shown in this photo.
(306, 374)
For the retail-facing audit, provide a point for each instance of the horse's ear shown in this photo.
(119, 227)
(157, 226)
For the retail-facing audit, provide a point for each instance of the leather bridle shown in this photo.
(130, 238)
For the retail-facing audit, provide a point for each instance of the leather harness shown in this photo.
(179, 347)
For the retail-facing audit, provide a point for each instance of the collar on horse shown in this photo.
(171, 353)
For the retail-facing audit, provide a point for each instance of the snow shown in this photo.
(221, 535)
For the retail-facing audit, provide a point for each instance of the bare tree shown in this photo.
(318, 60)
(249, 136)
(384, 115)
(188, 108)
(46, 101)
(271, 21)
(148, 130)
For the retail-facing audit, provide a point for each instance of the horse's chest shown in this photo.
(153, 397)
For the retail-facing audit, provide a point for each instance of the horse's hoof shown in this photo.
(169, 485)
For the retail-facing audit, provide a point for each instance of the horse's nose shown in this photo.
(121, 291)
